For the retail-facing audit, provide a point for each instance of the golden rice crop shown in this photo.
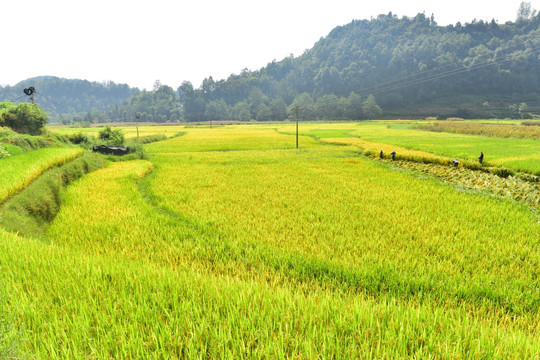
(231, 245)
(128, 131)
(517, 154)
(374, 149)
(497, 130)
(510, 187)
(18, 171)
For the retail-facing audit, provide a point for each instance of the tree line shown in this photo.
(387, 67)
(69, 98)
(401, 66)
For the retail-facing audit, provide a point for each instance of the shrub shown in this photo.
(112, 136)
(59, 138)
(79, 138)
(25, 118)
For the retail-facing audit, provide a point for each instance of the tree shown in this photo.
(327, 107)
(5, 107)
(25, 118)
(112, 136)
(264, 113)
(240, 111)
(525, 12)
(523, 110)
(166, 103)
(191, 101)
(354, 110)
(278, 108)
(305, 102)
(370, 108)
(216, 110)
(255, 99)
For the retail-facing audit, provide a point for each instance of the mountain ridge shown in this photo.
(410, 66)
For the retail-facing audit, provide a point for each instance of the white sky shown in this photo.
(137, 42)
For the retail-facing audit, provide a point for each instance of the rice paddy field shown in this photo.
(16, 172)
(130, 131)
(228, 242)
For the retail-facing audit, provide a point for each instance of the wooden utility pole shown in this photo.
(137, 124)
(297, 109)
(30, 92)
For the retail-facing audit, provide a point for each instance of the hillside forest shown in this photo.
(385, 67)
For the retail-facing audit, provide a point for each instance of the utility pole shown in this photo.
(30, 92)
(297, 108)
(137, 124)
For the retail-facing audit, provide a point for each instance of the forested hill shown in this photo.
(386, 67)
(70, 97)
(411, 66)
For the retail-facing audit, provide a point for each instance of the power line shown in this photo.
(437, 70)
(433, 74)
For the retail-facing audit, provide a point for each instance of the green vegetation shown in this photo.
(23, 118)
(8, 333)
(518, 154)
(72, 99)
(29, 212)
(112, 136)
(16, 143)
(387, 67)
(411, 66)
(16, 172)
(230, 243)
(3, 152)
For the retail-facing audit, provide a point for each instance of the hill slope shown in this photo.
(69, 96)
(410, 66)
(413, 67)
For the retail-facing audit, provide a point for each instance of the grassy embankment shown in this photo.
(16, 172)
(31, 210)
(130, 132)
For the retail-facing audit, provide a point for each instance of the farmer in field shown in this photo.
(481, 158)
(393, 154)
(455, 163)
(381, 154)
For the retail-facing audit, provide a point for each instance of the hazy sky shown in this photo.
(138, 42)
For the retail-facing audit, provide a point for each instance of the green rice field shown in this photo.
(230, 243)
